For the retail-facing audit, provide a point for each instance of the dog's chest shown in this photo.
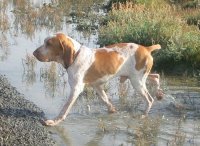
(82, 62)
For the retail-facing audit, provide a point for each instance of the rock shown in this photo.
(19, 119)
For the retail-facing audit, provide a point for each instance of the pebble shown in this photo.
(19, 119)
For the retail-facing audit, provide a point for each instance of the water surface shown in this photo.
(25, 24)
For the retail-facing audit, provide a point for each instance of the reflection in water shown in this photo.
(95, 141)
(29, 63)
(29, 19)
(64, 135)
(129, 100)
(29, 78)
(35, 19)
(29, 16)
(51, 76)
(4, 50)
(146, 131)
(179, 136)
(29, 75)
(4, 23)
(129, 131)
(4, 26)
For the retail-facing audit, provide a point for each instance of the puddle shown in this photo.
(25, 24)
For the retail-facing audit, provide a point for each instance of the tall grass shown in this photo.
(50, 78)
(153, 22)
(4, 24)
(29, 64)
(192, 17)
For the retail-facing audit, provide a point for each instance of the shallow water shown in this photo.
(172, 121)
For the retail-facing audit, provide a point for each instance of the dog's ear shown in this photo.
(68, 53)
(68, 50)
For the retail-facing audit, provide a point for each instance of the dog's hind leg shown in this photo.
(123, 79)
(140, 87)
(105, 98)
(155, 79)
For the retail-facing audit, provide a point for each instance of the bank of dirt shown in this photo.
(20, 119)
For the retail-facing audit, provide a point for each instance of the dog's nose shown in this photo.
(35, 53)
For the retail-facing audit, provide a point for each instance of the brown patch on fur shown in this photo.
(68, 49)
(119, 45)
(154, 47)
(143, 57)
(106, 63)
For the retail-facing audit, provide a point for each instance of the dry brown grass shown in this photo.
(50, 78)
(29, 64)
(4, 47)
(51, 16)
(4, 21)
(179, 136)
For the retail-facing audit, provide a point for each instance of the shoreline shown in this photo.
(20, 119)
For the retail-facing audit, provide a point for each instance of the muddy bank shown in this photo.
(19, 119)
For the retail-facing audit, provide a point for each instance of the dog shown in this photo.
(96, 66)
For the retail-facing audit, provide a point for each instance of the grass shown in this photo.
(129, 99)
(186, 4)
(29, 64)
(192, 17)
(4, 24)
(153, 22)
(50, 16)
(30, 19)
(138, 132)
(50, 77)
(179, 136)
(4, 48)
(147, 132)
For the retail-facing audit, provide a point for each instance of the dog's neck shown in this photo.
(77, 45)
(77, 48)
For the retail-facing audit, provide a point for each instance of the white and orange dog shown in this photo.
(96, 66)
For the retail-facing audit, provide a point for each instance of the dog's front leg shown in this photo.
(76, 89)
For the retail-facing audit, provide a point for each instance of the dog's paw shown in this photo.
(160, 94)
(49, 123)
(143, 116)
(112, 110)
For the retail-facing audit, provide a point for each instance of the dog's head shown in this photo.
(57, 48)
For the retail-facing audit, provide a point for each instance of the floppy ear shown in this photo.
(68, 52)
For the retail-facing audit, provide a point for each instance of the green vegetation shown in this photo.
(157, 21)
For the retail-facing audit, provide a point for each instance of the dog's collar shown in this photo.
(77, 53)
(74, 57)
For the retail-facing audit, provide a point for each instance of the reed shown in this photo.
(179, 136)
(50, 77)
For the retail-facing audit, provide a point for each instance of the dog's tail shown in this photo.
(154, 47)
